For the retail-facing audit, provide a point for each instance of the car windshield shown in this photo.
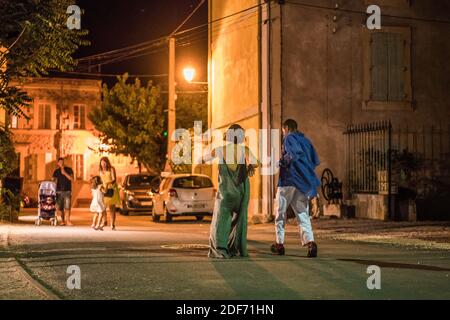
(140, 180)
(192, 182)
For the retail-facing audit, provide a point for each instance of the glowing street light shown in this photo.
(189, 74)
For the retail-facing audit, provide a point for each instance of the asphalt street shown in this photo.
(147, 260)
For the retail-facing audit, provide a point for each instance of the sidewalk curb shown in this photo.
(43, 290)
(24, 271)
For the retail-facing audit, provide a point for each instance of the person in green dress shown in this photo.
(228, 234)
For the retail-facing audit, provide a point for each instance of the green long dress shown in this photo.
(228, 236)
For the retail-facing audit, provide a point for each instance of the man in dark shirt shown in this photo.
(63, 176)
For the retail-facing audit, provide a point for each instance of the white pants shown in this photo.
(300, 204)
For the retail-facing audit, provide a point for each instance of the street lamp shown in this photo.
(189, 75)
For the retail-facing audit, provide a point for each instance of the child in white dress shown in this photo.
(97, 205)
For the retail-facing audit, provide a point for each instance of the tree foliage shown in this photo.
(190, 108)
(36, 39)
(8, 159)
(8, 163)
(132, 121)
(12, 98)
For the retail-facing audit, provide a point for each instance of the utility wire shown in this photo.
(220, 19)
(187, 18)
(129, 56)
(127, 52)
(203, 28)
(302, 4)
(134, 56)
(112, 75)
(124, 49)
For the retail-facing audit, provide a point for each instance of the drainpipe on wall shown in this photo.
(210, 84)
(269, 96)
(266, 103)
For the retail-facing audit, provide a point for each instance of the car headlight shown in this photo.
(130, 195)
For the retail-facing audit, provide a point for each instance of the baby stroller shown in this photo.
(47, 203)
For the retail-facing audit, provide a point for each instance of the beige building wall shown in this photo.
(234, 73)
(324, 66)
(308, 61)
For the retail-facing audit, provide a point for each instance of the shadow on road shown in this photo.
(245, 281)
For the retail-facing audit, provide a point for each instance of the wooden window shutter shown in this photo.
(396, 67)
(41, 116)
(379, 66)
(76, 117)
(48, 118)
(83, 117)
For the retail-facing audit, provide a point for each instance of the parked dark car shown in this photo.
(136, 193)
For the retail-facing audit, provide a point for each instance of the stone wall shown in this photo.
(323, 70)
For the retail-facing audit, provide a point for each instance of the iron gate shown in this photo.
(380, 158)
(368, 154)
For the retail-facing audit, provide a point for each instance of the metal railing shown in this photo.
(381, 159)
(368, 154)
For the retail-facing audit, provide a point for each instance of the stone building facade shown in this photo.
(316, 61)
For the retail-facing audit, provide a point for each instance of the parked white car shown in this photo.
(184, 195)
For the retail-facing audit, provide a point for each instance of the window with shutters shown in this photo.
(387, 80)
(44, 116)
(79, 117)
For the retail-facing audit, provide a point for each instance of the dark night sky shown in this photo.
(114, 24)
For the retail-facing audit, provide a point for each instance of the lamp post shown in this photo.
(172, 95)
(189, 75)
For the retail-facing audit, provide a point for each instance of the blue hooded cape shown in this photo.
(298, 163)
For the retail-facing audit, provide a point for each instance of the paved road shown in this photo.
(146, 260)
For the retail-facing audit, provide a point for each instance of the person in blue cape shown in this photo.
(297, 184)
